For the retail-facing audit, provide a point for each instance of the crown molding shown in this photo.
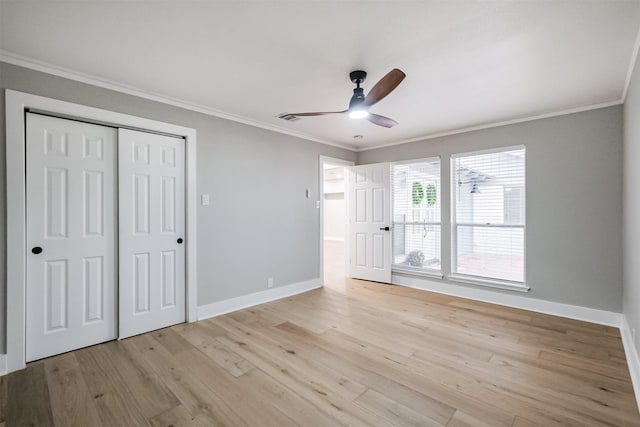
(498, 124)
(33, 64)
(22, 61)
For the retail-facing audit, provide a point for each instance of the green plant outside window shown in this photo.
(417, 193)
(431, 195)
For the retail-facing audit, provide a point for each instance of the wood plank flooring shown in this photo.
(352, 353)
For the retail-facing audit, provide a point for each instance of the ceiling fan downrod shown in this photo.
(357, 77)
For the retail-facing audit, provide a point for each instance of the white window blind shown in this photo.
(416, 215)
(489, 214)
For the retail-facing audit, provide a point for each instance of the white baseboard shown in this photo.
(3, 365)
(334, 238)
(587, 314)
(238, 303)
(633, 360)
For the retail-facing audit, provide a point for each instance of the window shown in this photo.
(488, 211)
(416, 215)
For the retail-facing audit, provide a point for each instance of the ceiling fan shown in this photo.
(360, 104)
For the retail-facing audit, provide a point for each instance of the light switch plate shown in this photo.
(205, 200)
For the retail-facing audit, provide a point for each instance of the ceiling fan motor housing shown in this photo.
(357, 98)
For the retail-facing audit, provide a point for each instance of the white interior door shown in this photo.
(369, 223)
(152, 226)
(70, 290)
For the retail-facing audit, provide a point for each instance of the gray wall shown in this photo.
(631, 226)
(574, 200)
(259, 223)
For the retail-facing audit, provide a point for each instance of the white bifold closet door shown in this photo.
(151, 231)
(70, 290)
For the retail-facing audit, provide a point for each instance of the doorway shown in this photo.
(334, 201)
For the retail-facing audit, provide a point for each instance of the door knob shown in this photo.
(384, 228)
(180, 241)
(36, 250)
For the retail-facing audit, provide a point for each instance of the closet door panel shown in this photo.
(151, 234)
(70, 292)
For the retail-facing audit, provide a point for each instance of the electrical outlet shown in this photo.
(270, 282)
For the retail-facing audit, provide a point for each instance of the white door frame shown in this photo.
(16, 104)
(346, 163)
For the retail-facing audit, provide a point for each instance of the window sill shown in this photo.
(490, 283)
(417, 272)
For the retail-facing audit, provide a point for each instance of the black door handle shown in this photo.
(180, 241)
(384, 228)
(36, 250)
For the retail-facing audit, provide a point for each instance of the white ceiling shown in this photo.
(468, 63)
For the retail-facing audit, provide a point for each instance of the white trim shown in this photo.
(586, 314)
(33, 64)
(16, 233)
(496, 124)
(3, 364)
(421, 160)
(16, 103)
(238, 303)
(346, 163)
(632, 65)
(492, 150)
(490, 283)
(633, 360)
(488, 225)
(416, 272)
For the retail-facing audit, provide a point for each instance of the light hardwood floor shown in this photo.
(353, 353)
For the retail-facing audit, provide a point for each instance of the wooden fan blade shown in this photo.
(384, 87)
(319, 113)
(383, 121)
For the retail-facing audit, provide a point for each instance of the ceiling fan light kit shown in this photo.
(359, 104)
(358, 113)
